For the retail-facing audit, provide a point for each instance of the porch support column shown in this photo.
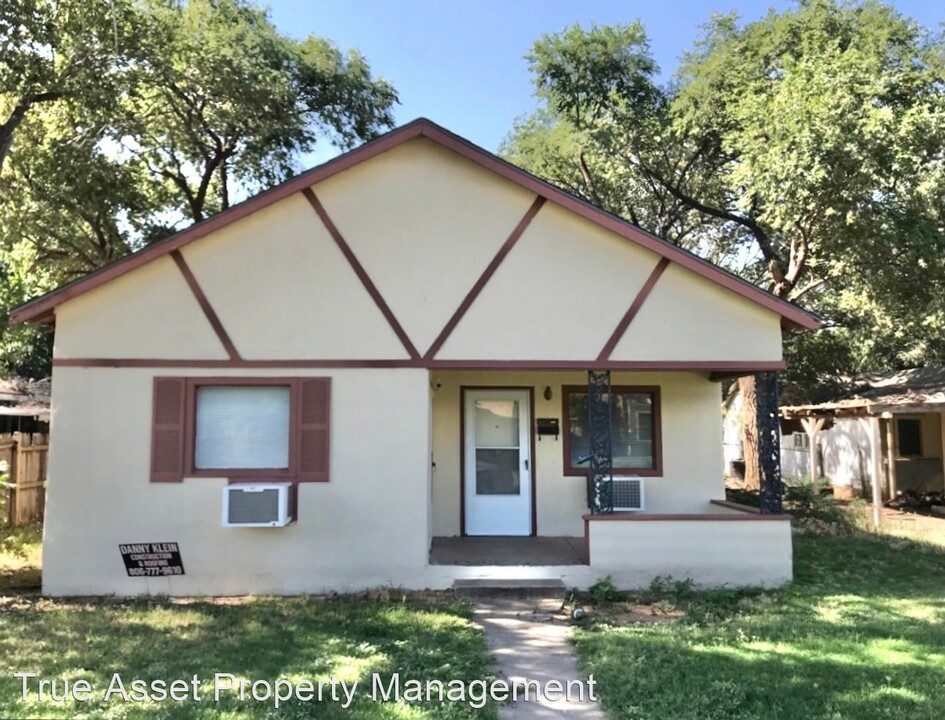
(876, 467)
(601, 476)
(890, 455)
(769, 442)
(813, 426)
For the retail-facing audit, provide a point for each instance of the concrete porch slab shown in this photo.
(508, 551)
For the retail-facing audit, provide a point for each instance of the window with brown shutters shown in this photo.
(221, 437)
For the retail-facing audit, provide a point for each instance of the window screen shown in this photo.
(632, 433)
(910, 438)
(242, 427)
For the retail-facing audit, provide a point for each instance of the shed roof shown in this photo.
(903, 390)
(42, 309)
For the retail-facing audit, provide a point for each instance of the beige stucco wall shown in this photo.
(708, 552)
(687, 317)
(367, 527)
(559, 293)
(283, 289)
(692, 446)
(425, 223)
(148, 313)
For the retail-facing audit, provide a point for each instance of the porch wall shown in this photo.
(735, 549)
(691, 439)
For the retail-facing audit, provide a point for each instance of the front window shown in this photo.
(635, 431)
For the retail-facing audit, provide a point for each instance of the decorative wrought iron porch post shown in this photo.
(601, 477)
(769, 442)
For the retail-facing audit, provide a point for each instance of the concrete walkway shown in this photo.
(530, 644)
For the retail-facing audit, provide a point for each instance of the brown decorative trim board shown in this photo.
(205, 305)
(360, 272)
(702, 517)
(633, 310)
(484, 278)
(734, 368)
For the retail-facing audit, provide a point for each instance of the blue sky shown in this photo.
(461, 63)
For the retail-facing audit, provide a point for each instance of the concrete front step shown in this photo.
(479, 588)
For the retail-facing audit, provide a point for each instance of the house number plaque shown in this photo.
(158, 559)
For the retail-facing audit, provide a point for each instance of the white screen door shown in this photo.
(498, 463)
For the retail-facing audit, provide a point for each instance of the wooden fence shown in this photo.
(23, 457)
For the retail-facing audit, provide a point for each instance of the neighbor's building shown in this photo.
(383, 335)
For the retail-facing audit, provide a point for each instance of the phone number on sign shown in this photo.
(155, 571)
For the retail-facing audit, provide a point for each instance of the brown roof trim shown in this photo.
(41, 308)
(633, 309)
(707, 366)
(485, 277)
(701, 517)
(205, 305)
(361, 272)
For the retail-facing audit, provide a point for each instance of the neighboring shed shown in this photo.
(887, 434)
(24, 405)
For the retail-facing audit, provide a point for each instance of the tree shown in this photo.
(131, 117)
(60, 51)
(225, 97)
(800, 138)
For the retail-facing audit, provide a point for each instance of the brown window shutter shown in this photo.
(167, 434)
(314, 436)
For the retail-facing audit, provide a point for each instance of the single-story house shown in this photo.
(887, 433)
(386, 359)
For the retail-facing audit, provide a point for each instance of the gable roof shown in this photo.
(41, 309)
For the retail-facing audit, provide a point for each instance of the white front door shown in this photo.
(497, 472)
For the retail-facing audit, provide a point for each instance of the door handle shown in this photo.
(526, 463)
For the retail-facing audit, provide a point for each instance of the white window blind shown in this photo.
(242, 427)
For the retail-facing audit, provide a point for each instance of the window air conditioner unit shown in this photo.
(628, 493)
(257, 505)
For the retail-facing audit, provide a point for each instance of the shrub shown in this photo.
(605, 592)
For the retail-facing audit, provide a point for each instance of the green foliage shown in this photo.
(803, 151)
(604, 592)
(121, 121)
(814, 507)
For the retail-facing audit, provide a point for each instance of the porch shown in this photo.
(508, 551)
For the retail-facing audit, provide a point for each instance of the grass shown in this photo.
(21, 552)
(859, 634)
(420, 637)
(295, 638)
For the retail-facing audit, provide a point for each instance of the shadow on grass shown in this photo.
(296, 638)
(859, 634)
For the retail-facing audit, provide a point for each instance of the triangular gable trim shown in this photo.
(41, 309)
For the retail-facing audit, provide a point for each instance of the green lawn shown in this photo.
(860, 634)
(21, 554)
(421, 637)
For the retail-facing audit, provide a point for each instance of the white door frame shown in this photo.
(527, 448)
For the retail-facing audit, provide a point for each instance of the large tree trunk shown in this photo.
(749, 423)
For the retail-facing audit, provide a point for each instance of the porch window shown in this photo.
(635, 430)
